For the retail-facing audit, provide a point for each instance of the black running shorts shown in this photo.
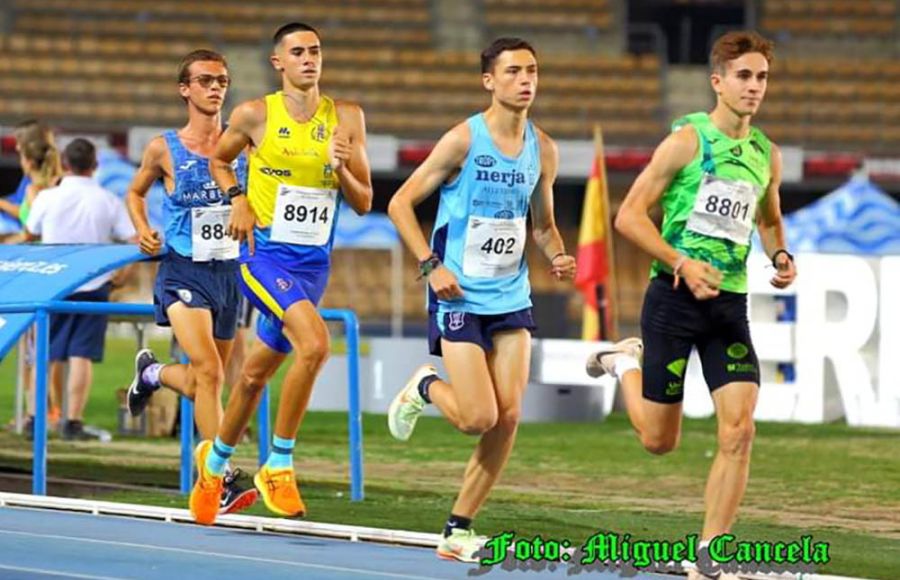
(672, 321)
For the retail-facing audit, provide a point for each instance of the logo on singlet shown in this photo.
(320, 133)
(275, 171)
(485, 161)
(507, 178)
(187, 164)
(284, 132)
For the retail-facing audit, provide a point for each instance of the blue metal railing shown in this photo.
(42, 312)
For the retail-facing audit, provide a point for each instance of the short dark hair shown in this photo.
(735, 44)
(202, 55)
(292, 27)
(80, 156)
(499, 46)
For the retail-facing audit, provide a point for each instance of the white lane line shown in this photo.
(57, 573)
(360, 571)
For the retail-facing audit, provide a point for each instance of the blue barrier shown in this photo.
(186, 480)
(42, 312)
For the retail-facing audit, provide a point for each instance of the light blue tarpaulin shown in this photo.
(857, 218)
(371, 231)
(41, 272)
(115, 172)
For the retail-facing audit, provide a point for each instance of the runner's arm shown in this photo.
(354, 174)
(235, 138)
(151, 169)
(244, 122)
(768, 219)
(544, 230)
(771, 226)
(446, 157)
(633, 220)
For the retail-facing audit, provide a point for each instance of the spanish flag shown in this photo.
(595, 268)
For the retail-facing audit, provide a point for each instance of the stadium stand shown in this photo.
(831, 17)
(408, 88)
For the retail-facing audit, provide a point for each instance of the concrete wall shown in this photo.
(391, 362)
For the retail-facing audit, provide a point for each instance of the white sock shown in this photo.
(624, 364)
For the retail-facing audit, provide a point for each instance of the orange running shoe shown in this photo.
(207, 492)
(278, 488)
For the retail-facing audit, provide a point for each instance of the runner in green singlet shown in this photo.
(715, 177)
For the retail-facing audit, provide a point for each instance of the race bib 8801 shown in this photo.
(724, 209)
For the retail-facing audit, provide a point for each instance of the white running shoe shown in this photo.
(604, 361)
(408, 405)
(461, 545)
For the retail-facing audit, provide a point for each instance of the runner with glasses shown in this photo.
(196, 291)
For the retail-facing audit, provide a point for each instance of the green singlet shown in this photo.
(709, 209)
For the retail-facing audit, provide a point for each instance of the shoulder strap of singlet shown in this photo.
(176, 149)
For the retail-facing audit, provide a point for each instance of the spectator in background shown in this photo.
(79, 211)
(40, 163)
(37, 157)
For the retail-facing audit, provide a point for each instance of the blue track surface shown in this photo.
(43, 544)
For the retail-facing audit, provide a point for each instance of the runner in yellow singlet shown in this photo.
(307, 157)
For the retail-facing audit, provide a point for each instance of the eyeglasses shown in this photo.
(206, 81)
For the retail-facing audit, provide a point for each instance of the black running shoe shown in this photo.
(74, 431)
(234, 497)
(28, 428)
(140, 391)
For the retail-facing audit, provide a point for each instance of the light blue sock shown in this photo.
(218, 457)
(282, 455)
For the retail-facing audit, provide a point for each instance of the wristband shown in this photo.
(428, 265)
(234, 191)
(678, 264)
(781, 251)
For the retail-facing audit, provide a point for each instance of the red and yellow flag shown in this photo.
(594, 251)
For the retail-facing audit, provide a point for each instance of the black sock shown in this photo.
(424, 384)
(457, 522)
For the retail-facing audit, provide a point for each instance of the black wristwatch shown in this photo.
(428, 265)
(781, 251)
(234, 191)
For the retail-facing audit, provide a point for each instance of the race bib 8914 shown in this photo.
(303, 215)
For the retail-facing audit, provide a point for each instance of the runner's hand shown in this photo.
(444, 284)
(149, 242)
(785, 272)
(562, 267)
(240, 226)
(339, 149)
(701, 278)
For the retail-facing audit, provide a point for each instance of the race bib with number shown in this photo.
(209, 234)
(303, 215)
(494, 247)
(724, 209)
